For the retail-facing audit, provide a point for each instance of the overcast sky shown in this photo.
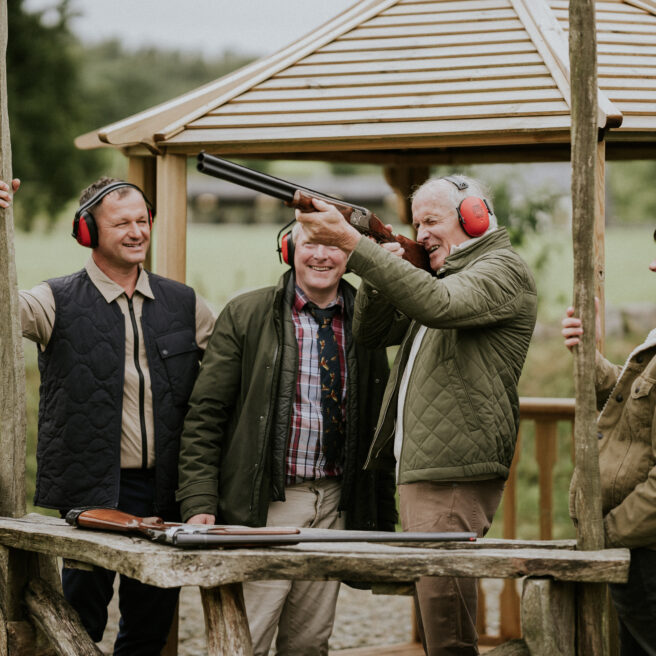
(252, 27)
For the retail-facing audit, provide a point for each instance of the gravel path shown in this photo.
(363, 619)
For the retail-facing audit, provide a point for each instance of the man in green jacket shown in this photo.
(451, 411)
(278, 430)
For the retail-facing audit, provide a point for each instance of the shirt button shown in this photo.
(165, 352)
(619, 398)
(600, 434)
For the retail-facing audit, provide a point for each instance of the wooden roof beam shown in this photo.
(551, 42)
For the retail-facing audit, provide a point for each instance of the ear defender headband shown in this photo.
(85, 229)
(285, 245)
(473, 212)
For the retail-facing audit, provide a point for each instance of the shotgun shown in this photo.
(201, 535)
(301, 198)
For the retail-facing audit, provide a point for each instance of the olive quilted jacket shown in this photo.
(461, 409)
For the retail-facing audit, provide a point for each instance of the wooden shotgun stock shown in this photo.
(199, 535)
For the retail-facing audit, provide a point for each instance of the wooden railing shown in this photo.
(544, 413)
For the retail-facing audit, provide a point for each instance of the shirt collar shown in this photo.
(111, 290)
(301, 300)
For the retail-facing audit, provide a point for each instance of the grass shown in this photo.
(225, 259)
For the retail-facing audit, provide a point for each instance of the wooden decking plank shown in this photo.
(377, 103)
(398, 65)
(434, 28)
(468, 50)
(501, 72)
(442, 17)
(401, 43)
(379, 115)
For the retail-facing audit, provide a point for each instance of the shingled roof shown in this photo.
(388, 76)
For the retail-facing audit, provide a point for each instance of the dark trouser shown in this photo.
(635, 602)
(446, 606)
(146, 611)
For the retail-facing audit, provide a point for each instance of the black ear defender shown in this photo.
(85, 229)
(285, 245)
(473, 212)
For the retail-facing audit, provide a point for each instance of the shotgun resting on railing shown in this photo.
(301, 198)
(199, 535)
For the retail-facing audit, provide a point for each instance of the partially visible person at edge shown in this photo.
(451, 410)
(626, 398)
(119, 350)
(268, 442)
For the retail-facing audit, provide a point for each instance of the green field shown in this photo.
(223, 260)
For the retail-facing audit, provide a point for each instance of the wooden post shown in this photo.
(599, 238)
(546, 447)
(12, 368)
(404, 180)
(171, 223)
(225, 618)
(58, 621)
(592, 621)
(509, 623)
(142, 172)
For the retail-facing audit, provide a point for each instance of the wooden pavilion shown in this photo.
(406, 84)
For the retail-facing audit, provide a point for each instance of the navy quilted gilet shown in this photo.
(81, 394)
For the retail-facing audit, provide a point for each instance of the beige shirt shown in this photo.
(37, 313)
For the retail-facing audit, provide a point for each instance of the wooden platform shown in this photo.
(219, 572)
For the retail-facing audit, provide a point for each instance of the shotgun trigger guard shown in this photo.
(359, 219)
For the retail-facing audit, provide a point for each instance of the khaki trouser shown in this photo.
(302, 611)
(446, 606)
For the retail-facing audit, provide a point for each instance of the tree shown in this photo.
(45, 112)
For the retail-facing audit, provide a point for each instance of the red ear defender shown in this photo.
(287, 248)
(84, 230)
(285, 244)
(474, 215)
(473, 212)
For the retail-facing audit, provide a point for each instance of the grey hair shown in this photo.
(296, 231)
(444, 186)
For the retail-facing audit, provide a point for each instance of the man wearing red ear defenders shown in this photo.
(451, 409)
(119, 350)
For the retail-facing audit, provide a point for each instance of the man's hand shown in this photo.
(573, 326)
(327, 226)
(202, 518)
(5, 194)
(393, 246)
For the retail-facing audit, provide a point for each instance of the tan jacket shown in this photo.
(627, 446)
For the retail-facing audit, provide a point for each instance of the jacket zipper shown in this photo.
(142, 388)
(266, 430)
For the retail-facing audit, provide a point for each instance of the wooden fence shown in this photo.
(544, 414)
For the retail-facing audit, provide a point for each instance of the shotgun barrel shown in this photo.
(300, 197)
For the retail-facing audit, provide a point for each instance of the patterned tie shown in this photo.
(331, 383)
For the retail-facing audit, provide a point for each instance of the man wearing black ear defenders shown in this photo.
(451, 410)
(119, 350)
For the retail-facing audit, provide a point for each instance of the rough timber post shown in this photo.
(592, 620)
(12, 368)
(171, 226)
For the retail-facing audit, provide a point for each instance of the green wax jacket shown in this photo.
(232, 455)
(461, 412)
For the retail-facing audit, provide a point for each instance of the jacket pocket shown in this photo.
(180, 355)
(640, 408)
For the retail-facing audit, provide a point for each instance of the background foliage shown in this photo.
(58, 89)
